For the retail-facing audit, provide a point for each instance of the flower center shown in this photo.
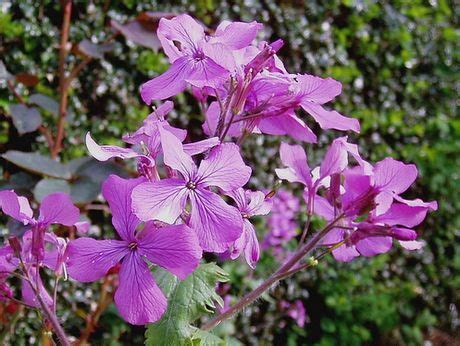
(245, 215)
(191, 185)
(133, 245)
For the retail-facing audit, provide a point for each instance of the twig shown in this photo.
(253, 295)
(63, 90)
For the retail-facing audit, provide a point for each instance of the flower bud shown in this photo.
(404, 234)
(260, 60)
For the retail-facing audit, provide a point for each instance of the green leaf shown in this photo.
(37, 164)
(187, 301)
(47, 186)
(25, 119)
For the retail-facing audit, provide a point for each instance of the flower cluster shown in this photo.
(190, 197)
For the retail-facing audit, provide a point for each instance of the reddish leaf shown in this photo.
(29, 80)
(94, 50)
(142, 30)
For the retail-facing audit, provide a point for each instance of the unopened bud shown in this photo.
(312, 261)
(404, 234)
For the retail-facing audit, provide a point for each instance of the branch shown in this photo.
(63, 90)
(279, 274)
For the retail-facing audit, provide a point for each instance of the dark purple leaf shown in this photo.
(25, 119)
(94, 50)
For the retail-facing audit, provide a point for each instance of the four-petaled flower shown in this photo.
(216, 223)
(175, 248)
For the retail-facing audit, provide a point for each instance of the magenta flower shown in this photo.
(375, 234)
(196, 58)
(175, 248)
(249, 203)
(296, 311)
(147, 144)
(56, 208)
(216, 223)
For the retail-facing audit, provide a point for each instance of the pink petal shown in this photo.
(373, 246)
(345, 253)
(58, 208)
(15, 206)
(258, 205)
(393, 175)
(236, 35)
(287, 124)
(323, 208)
(330, 119)
(175, 248)
(401, 214)
(183, 29)
(216, 223)
(106, 152)
(207, 73)
(318, 90)
(90, 259)
(200, 147)
(174, 155)
(412, 244)
(252, 249)
(212, 118)
(28, 294)
(224, 168)
(117, 192)
(294, 157)
(162, 200)
(170, 83)
(138, 298)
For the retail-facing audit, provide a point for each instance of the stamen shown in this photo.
(133, 245)
(191, 185)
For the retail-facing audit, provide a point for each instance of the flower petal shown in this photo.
(224, 167)
(287, 124)
(251, 249)
(393, 175)
(330, 119)
(59, 208)
(236, 35)
(401, 214)
(138, 298)
(174, 154)
(106, 152)
(162, 200)
(175, 248)
(372, 246)
(216, 223)
(90, 259)
(117, 192)
(297, 171)
(170, 83)
(182, 29)
(200, 147)
(318, 90)
(15, 206)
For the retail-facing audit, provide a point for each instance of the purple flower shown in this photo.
(175, 248)
(196, 58)
(281, 222)
(216, 223)
(296, 311)
(249, 203)
(56, 208)
(335, 162)
(374, 234)
(147, 143)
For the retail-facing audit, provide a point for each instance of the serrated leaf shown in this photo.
(45, 102)
(187, 301)
(47, 186)
(95, 50)
(38, 164)
(25, 119)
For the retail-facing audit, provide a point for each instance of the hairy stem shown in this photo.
(275, 277)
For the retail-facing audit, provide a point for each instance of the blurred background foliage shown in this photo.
(399, 65)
